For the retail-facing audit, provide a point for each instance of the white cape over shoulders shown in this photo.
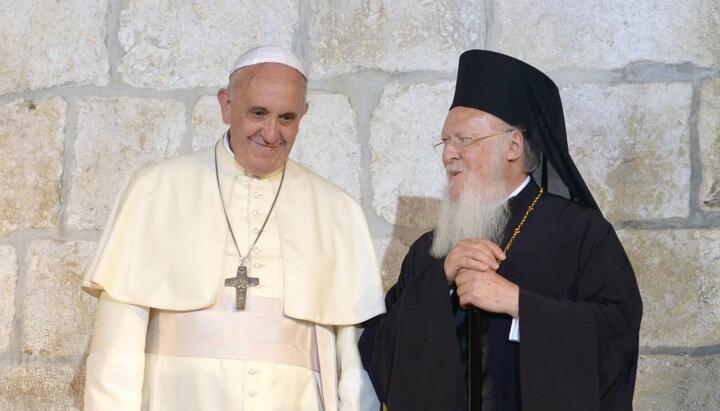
(165, 238)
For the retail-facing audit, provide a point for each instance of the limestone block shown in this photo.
(47, 43)
(348, 36)
(8, 279)
(631, 145)
(179, 44)
(407, 175)
(58, 314)
(677, 383)
(115, 137)
(608, 34)
(207, 124)
(390, 253)
(31, 148)
(678, 272)
(709, 131)
(41, 387)
(328, 141)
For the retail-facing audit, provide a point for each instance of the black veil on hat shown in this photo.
(523, 96)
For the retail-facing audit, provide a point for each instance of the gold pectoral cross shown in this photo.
(241, 282)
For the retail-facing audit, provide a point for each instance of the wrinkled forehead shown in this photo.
(467, 120)
(268, 74)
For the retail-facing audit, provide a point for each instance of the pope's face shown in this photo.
(264, 112)
(482, 160)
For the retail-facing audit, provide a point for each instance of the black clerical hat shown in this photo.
(523, 96)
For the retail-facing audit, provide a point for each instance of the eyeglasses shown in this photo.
(461, 143)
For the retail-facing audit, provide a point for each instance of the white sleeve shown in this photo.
(515, 330)
(355, 391)
(116, 362)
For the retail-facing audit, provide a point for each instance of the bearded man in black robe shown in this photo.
(557, 304)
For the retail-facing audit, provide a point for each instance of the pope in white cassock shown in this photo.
(234, 278)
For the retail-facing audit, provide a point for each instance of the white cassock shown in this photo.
(167, 334)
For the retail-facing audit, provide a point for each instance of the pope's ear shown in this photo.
(223, 96)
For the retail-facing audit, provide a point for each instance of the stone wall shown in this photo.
(90, 91)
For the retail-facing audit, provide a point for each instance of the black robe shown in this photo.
(580, 312)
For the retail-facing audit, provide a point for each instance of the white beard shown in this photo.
(479, 212)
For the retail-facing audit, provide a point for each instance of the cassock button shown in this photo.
(258, 265)
(255, 230)
(257, 195)
(255, 212)
(252, 371)
(252, 393)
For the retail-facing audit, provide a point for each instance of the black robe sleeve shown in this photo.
(411, 353)
(579, 341)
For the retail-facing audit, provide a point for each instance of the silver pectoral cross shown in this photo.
(241, 282)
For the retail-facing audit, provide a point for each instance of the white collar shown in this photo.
(226, 143)
(520, 188)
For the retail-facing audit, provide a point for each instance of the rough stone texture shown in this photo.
(37, 387)
(390, 254)
(348, 36)
(328, 141)
(678, 273)
(677, 383)
(631, 145)
(179, 44)
(115, 137)
(709, 131)
(58, 314)
(31, 148)
(609, 34)
(407, 174)
(8, 279)
(48, 43)
(207, 124)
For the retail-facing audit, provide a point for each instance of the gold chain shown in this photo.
(517, 229)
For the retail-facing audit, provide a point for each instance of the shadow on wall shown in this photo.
(415, 216)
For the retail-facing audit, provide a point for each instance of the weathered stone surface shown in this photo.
(390, 254)
(709, 131)
(207, 124)
(58, 314)
(631, 145)
(678, 273)
(328, 142)
(178, 44)
(31, 148)
(349, 36)
(609, 34)
(115, 137)
(48, 43)
(677, 383)
(8, 279)
(407, 174)
(37, 387)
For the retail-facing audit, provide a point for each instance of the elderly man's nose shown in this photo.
(271, 131)
(450, 152)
